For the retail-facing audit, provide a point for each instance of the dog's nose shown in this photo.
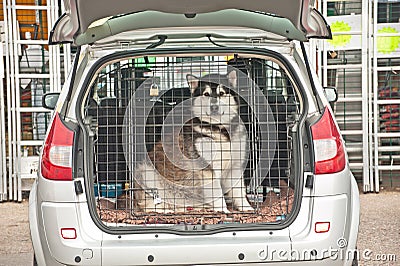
(214, 108)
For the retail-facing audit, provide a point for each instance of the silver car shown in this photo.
(193, 133)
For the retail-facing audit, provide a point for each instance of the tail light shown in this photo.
(56, 161)
(329, 150)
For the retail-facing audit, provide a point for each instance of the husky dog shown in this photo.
(202, 165)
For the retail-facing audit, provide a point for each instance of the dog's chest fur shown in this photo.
(211, 149)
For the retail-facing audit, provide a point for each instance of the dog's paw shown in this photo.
(223, 210)
(246, 209)
(242, 205)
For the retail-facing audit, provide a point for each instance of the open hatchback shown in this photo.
(192, 133)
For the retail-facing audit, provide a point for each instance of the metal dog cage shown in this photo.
(140, 112)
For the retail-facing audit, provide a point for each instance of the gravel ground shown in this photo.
(15, 242)
(379, 237)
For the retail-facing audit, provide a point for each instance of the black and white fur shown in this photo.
(213, 148)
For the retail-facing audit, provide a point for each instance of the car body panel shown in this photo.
(228, 35)
(57, 216)
(352, 219)
(178, 250)
(79, 15)
(154, 20)
(34, 226)
(324, 210)
(332, 184)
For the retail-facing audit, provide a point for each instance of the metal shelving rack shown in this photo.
(386, 100)
(358, 69)
(344, 66)
(3, 155)
(33, 68)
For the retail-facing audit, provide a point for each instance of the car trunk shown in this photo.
(83, 24)
(161, 160)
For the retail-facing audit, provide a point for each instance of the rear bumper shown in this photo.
(298, 244)
(338, 245)
(46, 219)
(34, 226)
(37, 231)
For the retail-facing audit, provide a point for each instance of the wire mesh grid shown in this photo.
(193, 140)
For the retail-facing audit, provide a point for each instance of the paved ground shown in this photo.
(15, 243)
(379, 238)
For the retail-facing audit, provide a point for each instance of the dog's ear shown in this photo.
(193, 82)
(232, 78)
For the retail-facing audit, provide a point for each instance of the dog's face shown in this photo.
(214, 101)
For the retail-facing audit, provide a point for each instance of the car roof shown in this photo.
(293, 19)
